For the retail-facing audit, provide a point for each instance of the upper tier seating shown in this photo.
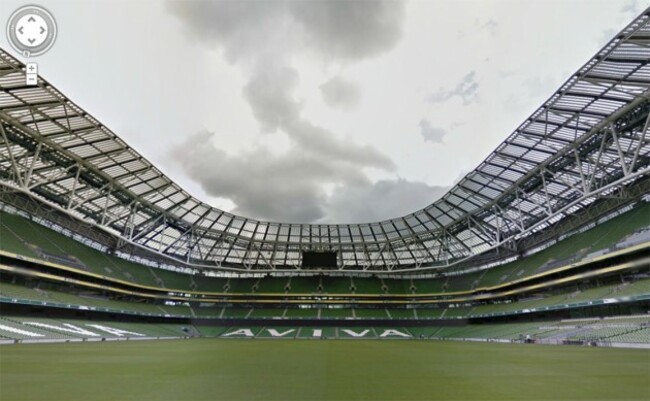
(28, 238)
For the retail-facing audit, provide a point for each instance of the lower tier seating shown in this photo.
(626, 330)
(41, 294)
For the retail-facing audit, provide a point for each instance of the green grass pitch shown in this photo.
(212, 369)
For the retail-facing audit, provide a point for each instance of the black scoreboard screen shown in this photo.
(319, 259)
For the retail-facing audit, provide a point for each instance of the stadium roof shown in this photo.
(587, 140)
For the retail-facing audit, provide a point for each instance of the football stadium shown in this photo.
(528, 279)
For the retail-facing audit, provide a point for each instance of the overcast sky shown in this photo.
(318, 111)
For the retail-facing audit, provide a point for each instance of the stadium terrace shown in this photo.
(544, 248)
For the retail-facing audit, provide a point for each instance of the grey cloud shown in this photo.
(317, 140)
(350, 29)
(431, 134)
(466, 89)
(381, 200)
(268, 93)
(241, 28)
(263, 185)
(344, 30)
(260, 37)
(289, 187)
(341, 94)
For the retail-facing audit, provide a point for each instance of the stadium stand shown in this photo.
(29, 239)
(301, 313)
(395, 313)
(367, 313)
(336, 313)
(553, 225)
(45, 329)
(19, 293)
(626, 330)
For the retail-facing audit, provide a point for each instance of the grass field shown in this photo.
(320, 370)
